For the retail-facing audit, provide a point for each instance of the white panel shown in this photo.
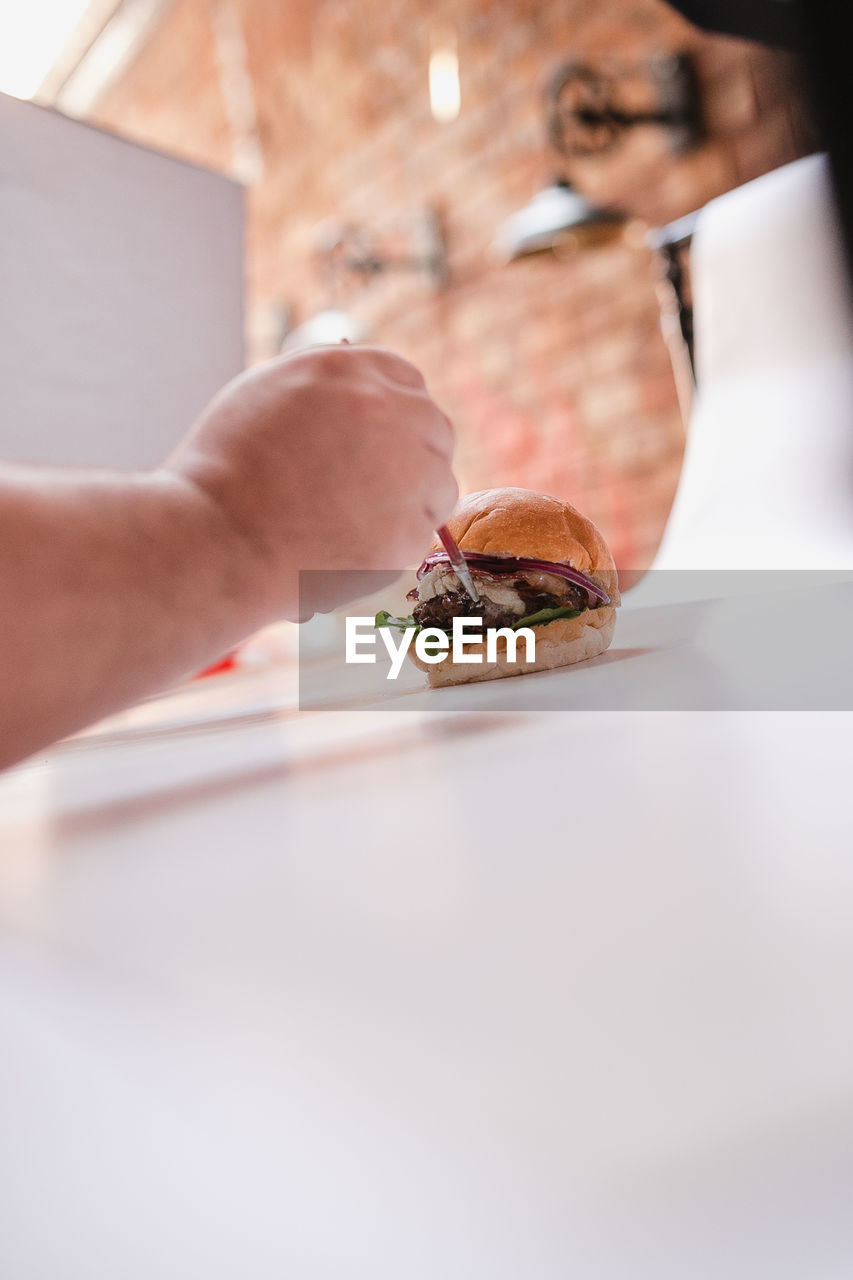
(121, 288)
(767, 481)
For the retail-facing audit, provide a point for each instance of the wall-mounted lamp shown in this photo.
(588, 112)
(347, 248)
(590, 109)
(558, 219)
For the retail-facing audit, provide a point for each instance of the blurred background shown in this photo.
(390, 153)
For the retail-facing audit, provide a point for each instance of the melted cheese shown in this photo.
(442, 580)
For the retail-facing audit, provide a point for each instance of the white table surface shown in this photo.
(414, 995)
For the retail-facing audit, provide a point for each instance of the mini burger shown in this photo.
(536, 562)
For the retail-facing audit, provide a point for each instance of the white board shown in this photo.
(121, 287)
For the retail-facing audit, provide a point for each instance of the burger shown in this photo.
(536, 562)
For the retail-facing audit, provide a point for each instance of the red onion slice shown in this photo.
(498, 565)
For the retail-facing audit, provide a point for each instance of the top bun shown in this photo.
(530, 525)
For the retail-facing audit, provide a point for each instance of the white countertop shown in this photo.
(414, 994)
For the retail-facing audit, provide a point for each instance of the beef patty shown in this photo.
(441, 610)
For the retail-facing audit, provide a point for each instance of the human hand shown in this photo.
(335, 458)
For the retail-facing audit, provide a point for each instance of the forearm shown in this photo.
(113, 586)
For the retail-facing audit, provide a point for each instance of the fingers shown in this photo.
(370, 364)
(434, 433)
(419, 497)
(394, 367)
(440, 491)
(431, 423)
(439, 436)
(442, 501)
(325, 592)
(342, 359)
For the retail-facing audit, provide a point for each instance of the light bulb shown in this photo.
(445, 95)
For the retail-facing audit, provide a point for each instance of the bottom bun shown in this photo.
(557, 645)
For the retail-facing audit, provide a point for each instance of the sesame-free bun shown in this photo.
(530, 525)
(558, 644)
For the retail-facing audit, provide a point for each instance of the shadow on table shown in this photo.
(196, 778)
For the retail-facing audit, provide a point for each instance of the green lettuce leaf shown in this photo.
(539, 619)
(546, 615)
(385, 619)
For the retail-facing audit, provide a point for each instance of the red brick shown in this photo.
(554, 371)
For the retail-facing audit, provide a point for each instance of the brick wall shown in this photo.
(554, 371)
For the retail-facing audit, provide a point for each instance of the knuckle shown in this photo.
(369, 399)
(400, 369)
(440, 497)
(413, 374)
(327, 362)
